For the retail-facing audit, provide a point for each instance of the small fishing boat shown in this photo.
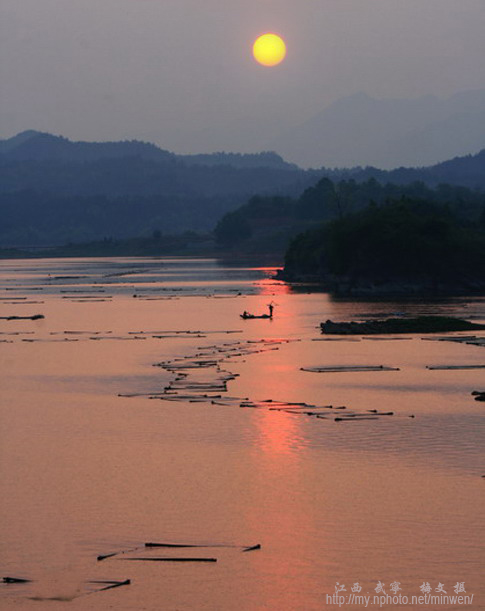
(247, 316)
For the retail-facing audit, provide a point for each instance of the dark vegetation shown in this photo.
(405, 245)
(467, 171)
(30, 218)
(357, 233)
(54, 191)
(269, 223)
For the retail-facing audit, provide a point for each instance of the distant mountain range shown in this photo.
(53, 190)
(35, 160)
(32, 145)
(388, 133)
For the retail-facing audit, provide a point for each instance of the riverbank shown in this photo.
(346, 286)
(169, 246)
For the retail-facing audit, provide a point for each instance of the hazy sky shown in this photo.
(180, 72)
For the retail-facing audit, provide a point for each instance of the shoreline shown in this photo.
(273, 260)
(344, 287)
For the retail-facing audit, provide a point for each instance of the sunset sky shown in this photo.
(180, 73)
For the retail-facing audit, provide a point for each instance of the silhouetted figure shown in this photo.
(270, 306)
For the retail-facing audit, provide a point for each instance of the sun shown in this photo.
(269, 49)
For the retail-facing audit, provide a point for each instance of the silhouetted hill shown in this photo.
(467, 171)
(53, 190)
(267, 224)
(407, 246)
(31, 145)
(388, 133)
(13, 143)
(267, 159)
(37, 146)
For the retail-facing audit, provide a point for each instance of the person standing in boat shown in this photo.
(271, 307)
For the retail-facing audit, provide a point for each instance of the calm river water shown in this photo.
(351, 508)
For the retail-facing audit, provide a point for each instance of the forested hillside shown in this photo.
(54, 191)
(267, 224)
(467, 171)
(402, 246)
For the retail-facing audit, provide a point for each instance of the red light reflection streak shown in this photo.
(282, 496)
(270, 286)
(278, 432)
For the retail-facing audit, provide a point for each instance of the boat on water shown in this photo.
(247, 316)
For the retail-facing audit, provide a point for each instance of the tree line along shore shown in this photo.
(353, 231)
(350, 237)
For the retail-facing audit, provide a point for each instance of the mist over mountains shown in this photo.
(39, 161)
(54, 191)
(359, 130)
